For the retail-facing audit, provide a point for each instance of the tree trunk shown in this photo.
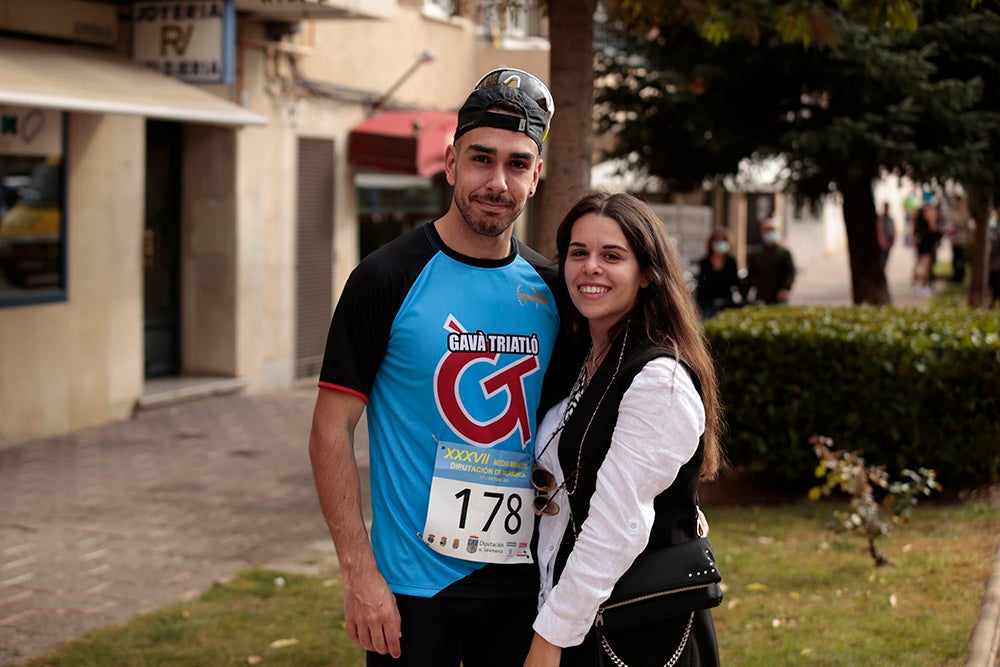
(881, 560)
(980, 204)
(570, 141)
(868, 283)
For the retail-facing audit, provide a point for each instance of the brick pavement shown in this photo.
(824, 278)
(102, 524)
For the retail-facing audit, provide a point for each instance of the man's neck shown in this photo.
(456, 235)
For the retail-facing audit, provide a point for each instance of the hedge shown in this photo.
(908, 387)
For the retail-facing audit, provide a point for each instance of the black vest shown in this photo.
(676, 506)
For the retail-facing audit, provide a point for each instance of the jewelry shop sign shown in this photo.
(192, 40)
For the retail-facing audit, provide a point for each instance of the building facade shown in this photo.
(186, 185)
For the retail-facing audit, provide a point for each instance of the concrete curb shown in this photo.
(984, 648)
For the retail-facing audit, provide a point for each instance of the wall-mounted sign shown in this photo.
(75, 20)
(192, 40)
(30, 131)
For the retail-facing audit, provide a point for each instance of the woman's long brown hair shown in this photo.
(664, 307)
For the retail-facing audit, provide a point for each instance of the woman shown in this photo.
(718, 275)
(627, 448)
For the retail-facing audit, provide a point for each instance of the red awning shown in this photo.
(408, 142)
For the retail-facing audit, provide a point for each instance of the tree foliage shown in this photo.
(878, 100)
(967, 47)
(804, 22)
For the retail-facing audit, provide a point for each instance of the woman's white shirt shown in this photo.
(660, 420)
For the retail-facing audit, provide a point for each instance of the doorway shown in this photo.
(161, 250)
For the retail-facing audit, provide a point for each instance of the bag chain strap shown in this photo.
(673, 659)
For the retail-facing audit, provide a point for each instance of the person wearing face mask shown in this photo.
(718, 276)
(770, 268)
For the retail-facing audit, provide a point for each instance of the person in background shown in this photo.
(770, 268)
(886, 230)
(620, 458)
(443, 336)
(718, 284)
(957, 231)
(910, 207)
(993, 234)
(926, 237)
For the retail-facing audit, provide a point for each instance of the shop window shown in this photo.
(32, 206)
(389, 205)
(500, 20)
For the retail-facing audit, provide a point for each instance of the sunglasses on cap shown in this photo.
(526, 83)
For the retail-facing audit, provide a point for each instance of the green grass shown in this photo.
(248, 620)
(796, 594)
(801, 595)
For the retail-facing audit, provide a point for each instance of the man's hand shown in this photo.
(370, 615)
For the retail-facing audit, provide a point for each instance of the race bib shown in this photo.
(480, 505)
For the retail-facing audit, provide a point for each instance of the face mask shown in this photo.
(771, 236)
(993, 224)
(720, 247)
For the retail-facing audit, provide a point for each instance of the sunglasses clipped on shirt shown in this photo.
(527, 83)
(544, 482)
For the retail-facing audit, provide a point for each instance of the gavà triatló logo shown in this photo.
(480, 353)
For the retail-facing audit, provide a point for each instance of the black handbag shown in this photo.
(664, 582)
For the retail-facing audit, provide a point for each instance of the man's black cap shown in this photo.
(476, 112)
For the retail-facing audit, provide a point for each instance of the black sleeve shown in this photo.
(359, 333)
(362, 321)
(789, 271)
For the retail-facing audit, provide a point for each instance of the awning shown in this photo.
(34, 74)
(405, 142)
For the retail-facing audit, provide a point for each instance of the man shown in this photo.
(770, 269)
(444, 335)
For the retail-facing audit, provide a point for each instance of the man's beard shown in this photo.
(485, 225)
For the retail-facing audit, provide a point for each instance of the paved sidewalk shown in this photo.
(102, 524)
(824, 279)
